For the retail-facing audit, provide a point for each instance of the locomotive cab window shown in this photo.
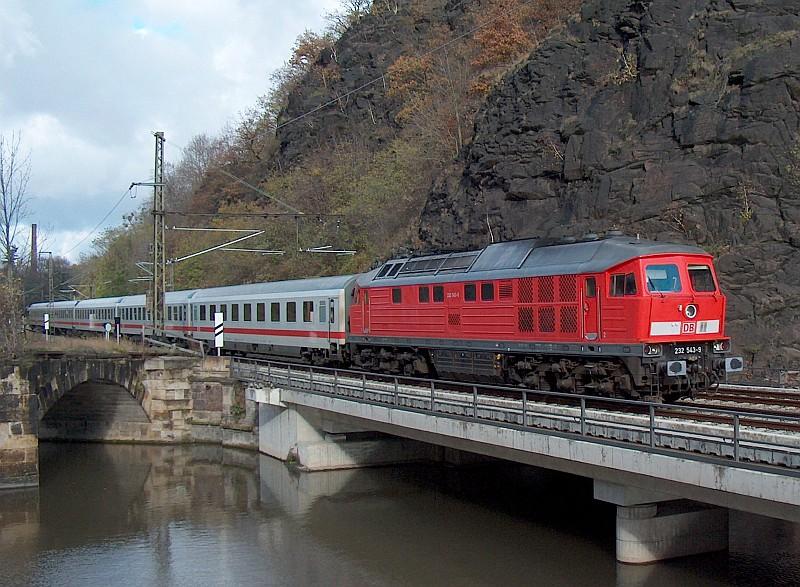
(424, 294)
(438, 293)
(487, 292)
(469, 292)
(590, 287)
(663, 278)
(397, 295)
(623, 284)
(702, 279)
(308, 310)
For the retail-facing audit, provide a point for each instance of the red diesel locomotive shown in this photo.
(613, 316)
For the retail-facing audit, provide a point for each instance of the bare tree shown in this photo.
(15, 171)
(12, 335)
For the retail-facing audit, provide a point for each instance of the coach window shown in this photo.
(701, 278)
(203, 312)
(212, 309)
(291, 311)
(308, 310)
(248, 312)
(235, 312)
(469, 292)
(261, 312)
(397, 295)
(663, 278)
(424, 294)
(169, 313)
(323, 313)
(224, 309)
(487, 292)
(438, 293)
(590, 287)
(275, 312)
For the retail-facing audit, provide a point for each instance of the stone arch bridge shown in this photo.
(175, 397)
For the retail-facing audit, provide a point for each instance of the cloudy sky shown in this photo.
(87, 81)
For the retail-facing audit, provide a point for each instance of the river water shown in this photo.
(201, 515)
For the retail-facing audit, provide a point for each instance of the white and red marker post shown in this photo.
(219, 332)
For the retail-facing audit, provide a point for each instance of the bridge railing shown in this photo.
(737, 437)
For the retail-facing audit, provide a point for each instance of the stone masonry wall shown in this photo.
(185, 399)
(19, 446)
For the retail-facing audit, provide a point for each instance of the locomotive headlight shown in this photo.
(652, 350)
(722, 346)
(690, 311)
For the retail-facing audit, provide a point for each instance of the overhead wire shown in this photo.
(99, 224)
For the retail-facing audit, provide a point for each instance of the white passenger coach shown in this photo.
(299, 318)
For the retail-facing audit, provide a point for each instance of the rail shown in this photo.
(738, 438)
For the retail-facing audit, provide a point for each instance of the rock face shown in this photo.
(355, 86)
(675, 119)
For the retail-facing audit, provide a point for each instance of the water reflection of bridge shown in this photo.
(208, 515)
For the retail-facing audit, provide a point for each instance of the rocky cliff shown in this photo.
(675, 119)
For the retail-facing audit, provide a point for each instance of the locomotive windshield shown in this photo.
(701, 278)
(663, 278)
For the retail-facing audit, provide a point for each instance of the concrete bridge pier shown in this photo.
(653, 526)
(320, 441)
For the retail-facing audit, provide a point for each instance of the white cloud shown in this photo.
(88, 81)
(67, 240)
(17, 38)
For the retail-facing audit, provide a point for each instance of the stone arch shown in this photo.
(50, 379)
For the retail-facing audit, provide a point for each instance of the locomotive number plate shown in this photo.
(688, 350)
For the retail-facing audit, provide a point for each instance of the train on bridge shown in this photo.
(614, 316)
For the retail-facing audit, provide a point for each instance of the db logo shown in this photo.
(689, 327)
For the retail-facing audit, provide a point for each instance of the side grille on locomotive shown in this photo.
(568, 319)
(525, 319)
(547, 319)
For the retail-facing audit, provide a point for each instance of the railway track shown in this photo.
(754, 399)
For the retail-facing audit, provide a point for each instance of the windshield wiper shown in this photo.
(653, 286)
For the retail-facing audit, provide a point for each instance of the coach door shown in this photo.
(591, 311)
(331, 318)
